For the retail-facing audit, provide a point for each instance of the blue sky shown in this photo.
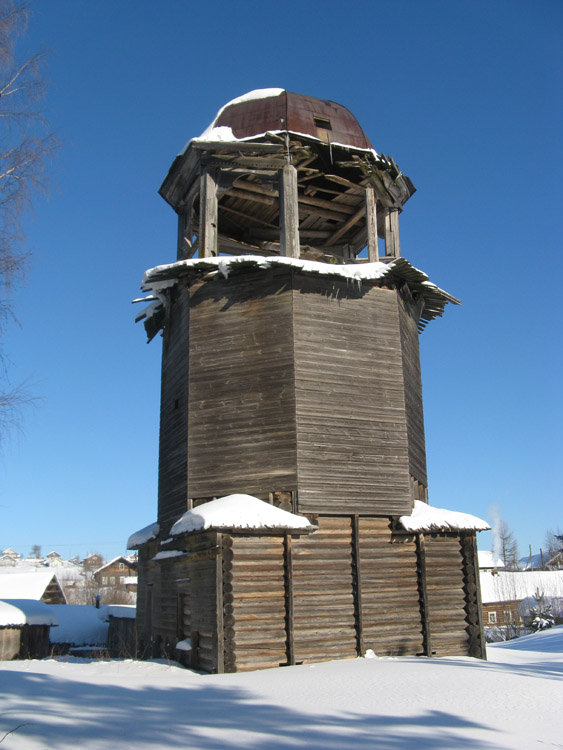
(466, 98)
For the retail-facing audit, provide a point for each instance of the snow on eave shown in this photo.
(17, 612)
(397, 271)
(239, 512)
(428, 518)
(143, 535)
(112, 562)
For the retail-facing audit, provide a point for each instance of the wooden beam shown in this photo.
(345, 227)
(357, 574)
(246, 195)
(288, 567)
(423, 593)
(219, 606)
(343, 208)
(346, 183)
(371, 224)
(392, 242)
(208, 214)
(289, 212)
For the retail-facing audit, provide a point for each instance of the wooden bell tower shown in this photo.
(291, 372)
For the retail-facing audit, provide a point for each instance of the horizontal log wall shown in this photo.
(445, 587)
(254, 603)
(323, 592)
(173, 446)
(392, 622)
(352, 448)
(413, 390)
(241, 435)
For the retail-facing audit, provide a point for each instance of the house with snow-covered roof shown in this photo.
(40, 585)
(115, 572)
(503, 592)
(293, 519)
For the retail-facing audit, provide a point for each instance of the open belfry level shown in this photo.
(293, 518)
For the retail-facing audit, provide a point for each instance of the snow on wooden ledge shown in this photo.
(239, 512)
(143, 535)
(427, 518)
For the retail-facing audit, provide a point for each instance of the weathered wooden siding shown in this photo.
(352, 448)
(173, 446)
(254, 603)
(323, 593)
(446, 594)
(390, 594)
(241, 435)
(413, 390)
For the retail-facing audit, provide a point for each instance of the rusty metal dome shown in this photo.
(274, 110)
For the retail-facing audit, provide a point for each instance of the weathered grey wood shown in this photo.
(371, 225)
(392, 241)
(208, 216)
(290, 619)
(357, 570)
(219, 606)
(427, 634)
(289, 212)
(360, 213)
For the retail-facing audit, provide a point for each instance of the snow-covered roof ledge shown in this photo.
(143, 535)
(239, 512)
(16, 612)
(425, 517)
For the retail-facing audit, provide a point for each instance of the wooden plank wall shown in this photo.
(254, 603)
(445, 587)
(241, 435)
(323, 592)
(413, 390)
(392, 623)
(352, 448)
(172, 463)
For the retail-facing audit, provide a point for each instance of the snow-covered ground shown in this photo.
(512, 701)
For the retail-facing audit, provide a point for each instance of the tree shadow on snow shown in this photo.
(204, 716)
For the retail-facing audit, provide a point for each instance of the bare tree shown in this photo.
(24, 146)
(553, 543)
(508, 545)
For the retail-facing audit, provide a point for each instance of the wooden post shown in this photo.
(208, 214)
(371, 225)
(392, 242)
(185, 231)
(219, 605)
(357, 574)
(423, 593)
(288, 564)
(289, 212)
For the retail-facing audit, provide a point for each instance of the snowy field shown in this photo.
(513, 701)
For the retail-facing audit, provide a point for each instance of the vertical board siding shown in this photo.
(254, 603)
(392, 622)
(413, 391)
(446, 594)
(241, 435)
(352, 448)
(173, 447)
(323, 592)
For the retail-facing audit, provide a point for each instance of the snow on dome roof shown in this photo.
(427, 518)
(238, 512)
(25, 612)
(276, 110)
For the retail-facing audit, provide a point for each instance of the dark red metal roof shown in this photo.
(319, 118)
